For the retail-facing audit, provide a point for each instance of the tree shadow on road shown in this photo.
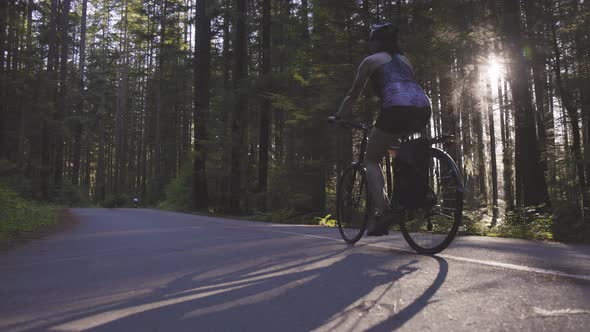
(345, 289)
(331, 291)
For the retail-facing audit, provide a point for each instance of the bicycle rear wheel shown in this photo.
(430, 230)
(352, 204)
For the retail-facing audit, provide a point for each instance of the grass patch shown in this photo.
(20, 218)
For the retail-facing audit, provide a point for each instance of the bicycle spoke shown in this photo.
(443, 214)
(352, 206)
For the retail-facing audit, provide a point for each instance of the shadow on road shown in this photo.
(338, 291)
(395, 322)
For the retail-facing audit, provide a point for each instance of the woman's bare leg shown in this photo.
(379, 141)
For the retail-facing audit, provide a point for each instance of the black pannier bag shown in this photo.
(411, 174)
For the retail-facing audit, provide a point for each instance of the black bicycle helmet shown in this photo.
(383, 32)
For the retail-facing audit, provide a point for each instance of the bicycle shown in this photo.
(428, 230)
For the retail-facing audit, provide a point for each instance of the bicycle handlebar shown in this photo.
(348, 124)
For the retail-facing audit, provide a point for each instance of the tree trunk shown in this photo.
(80, 110)
(506, 153)
(201, 103)
(3, 92)
(535, 28)
(449, 116)
(533, 185)
(63, 90)
(121, 110)
(225, 150)
(3, 25)
(240, 104)
(30, 105)
(570, 107)
(160, 167)
(581, 51)
(265, 107)
(305, 19)
(586, 131)
(50, 95)
(100, 185)
(479, 111)
(491, 123)
(467, 145)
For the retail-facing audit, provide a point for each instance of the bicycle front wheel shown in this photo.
(352, 204)
(431, 229)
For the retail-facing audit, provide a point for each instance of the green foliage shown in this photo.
(570, 224)
(14, 178)
(179, 192)
(19, 216)
(117, 201)
(327, 221)
(472, 223)
(538, 226)
(11, 177)
(300, 195)
(68, 194)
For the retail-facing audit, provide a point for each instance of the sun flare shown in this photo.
(494, 68)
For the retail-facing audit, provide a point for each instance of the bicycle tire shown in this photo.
(352, 225)
(416, 232)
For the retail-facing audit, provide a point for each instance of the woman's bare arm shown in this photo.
(365, 70)
(358, 86)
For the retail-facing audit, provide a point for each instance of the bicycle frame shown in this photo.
(364, 142)
(421, 226)
(388, 158)
(389, 173)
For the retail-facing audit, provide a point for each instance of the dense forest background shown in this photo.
(222, 104)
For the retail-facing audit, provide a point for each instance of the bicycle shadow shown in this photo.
(330, 291)
(397, 321)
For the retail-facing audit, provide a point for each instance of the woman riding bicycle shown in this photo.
(405, 109)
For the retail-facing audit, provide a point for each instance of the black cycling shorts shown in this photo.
(403, 120)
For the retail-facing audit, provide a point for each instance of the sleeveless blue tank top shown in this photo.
(396, 85)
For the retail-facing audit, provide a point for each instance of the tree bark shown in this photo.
(240, 105)
(533, 185)
(80, 109)
(491, 122)
(201, 103)
(449, 116)
(50, 95)
(265, 107)
(100, 184)
(61, 111)
(568, 103)
(479, 112)
(160, 167)
(3, 92)
(506, 153)
(121, 110)
(535, 30)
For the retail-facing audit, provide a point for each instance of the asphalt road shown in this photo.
(148, 270)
